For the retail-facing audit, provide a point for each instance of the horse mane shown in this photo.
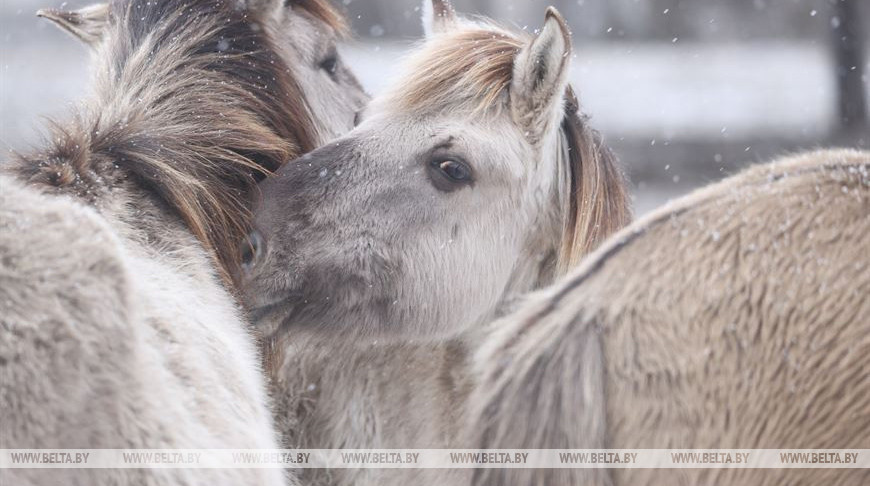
(598, 202)
(471, 69)
(195, 105)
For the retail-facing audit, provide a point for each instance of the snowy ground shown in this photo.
(678, 114)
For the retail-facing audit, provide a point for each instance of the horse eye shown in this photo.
(330, 65)
(456, 171)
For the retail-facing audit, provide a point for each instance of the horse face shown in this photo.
(422, 219)
(411, 226)
(308, 43)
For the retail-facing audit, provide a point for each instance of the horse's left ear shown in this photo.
(540, 77)
(87, 24)
(438, 16)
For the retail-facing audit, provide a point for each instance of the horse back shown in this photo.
(736, 317)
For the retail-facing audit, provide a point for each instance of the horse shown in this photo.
(736, 318)
(121, 236)
(380, 256)
(305, 35)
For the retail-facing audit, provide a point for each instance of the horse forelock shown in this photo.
(467, 69)
(197, 106)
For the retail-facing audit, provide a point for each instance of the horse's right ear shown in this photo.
(87, 24)
(438, 16)
(540, 76)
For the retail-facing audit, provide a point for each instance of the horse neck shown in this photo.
(155, 231)
(535, 266)
(78, 164)
(146, 226)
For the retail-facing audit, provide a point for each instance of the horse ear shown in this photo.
(87, 24)
(540, 76)
(438, 16)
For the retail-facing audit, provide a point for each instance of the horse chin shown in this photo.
(267, 319)
(320, 303)
(293, 312)
(271, 301)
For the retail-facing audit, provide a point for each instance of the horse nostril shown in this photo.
(357, 118)
(252, 248)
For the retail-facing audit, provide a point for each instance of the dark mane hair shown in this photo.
(195, 105)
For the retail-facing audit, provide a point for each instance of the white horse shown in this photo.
(382, 255)
(734, 318)
(118, 239)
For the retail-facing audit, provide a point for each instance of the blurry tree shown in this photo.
(848, 43)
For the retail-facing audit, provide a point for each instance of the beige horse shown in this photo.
(736, 317)
(118, 327)
(384, 253)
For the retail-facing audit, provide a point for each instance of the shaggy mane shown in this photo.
(195, 105)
